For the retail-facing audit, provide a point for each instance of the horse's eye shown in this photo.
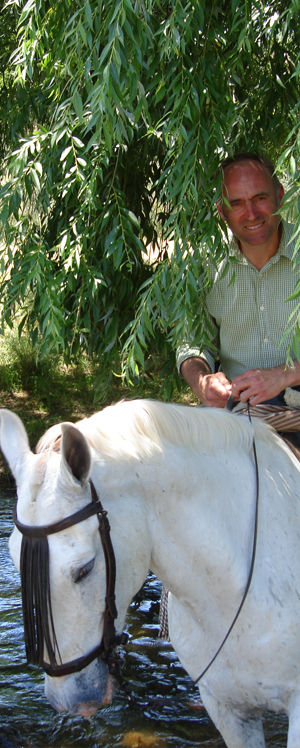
(84, 571)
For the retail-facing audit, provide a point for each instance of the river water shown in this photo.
(150, 665)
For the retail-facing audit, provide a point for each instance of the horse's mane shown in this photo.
(139, 427)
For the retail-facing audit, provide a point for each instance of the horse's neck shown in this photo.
(204, 510)
(196, 509)
(193, 516)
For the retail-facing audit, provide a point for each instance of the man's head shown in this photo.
(251, 197)
(251, 156)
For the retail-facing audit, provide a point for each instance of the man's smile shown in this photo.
(257, 226)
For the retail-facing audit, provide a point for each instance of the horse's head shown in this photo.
(64, 573)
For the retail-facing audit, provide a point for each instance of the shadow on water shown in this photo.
(150, 665)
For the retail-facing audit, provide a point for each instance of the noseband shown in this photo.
(33, 538)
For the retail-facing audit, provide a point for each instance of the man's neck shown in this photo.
(259, 255)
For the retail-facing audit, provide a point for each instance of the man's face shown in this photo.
(251, 194)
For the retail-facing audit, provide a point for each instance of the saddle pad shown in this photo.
(281, 418)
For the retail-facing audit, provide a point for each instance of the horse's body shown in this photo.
(178, 484)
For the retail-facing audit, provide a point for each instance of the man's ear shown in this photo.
(280, 194)
(220, 210)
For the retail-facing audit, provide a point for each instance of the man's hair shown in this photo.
(249, 156)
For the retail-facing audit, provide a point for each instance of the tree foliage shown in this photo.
(122, 112)
(8, 35)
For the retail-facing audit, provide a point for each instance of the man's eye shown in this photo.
(84, 571)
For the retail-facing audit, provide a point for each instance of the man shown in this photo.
(249, 314)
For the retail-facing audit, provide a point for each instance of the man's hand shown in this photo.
(212, 389)
(258, 385)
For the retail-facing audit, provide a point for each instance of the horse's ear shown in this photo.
(13, 440)
(75, 451)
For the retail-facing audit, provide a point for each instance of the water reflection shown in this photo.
(150, 665)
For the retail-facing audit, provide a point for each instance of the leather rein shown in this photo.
(104, 650)
(229, 406)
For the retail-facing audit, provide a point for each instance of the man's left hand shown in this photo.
(258, 385)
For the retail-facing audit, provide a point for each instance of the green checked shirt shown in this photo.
(249, 315)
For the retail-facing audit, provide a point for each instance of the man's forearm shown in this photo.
(292, 374)
(212, 389)
(192, 369)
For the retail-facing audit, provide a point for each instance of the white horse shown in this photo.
(179, 486)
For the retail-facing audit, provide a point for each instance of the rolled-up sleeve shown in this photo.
(185, 351)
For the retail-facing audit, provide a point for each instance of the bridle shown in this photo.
(105, 650)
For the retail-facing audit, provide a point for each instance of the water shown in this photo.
(150, 665)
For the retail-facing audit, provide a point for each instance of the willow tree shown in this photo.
(126, 110)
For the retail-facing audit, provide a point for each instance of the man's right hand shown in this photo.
(212, 389)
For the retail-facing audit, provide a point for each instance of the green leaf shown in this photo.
(77, 102)
(65, 153)
(88, 15)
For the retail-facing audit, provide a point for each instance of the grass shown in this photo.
(45, 392)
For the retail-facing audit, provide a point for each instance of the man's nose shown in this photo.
(250, 210)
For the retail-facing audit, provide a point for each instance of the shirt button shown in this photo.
(262, 308)
(266, 340)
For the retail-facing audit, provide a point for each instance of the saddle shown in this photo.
(284, 419)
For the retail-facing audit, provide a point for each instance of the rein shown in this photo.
(36, 604)
(229, 406)
(160, 702)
